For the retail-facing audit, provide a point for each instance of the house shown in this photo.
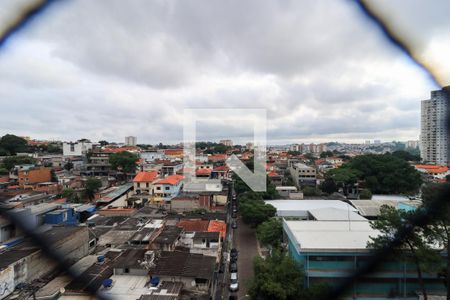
(143, 182)
(174, 153)
(167, 188)
(79, 148)
(171, 168)
(168, 239)
(33, 175)
(195, 271)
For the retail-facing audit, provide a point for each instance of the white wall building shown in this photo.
(434, 139)
(76, 149)
(131, 141)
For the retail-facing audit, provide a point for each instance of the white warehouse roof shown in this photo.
(300, 208)
(334, 236)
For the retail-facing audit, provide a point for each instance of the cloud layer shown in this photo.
(107, 69)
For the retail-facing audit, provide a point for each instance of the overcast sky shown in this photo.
(108, 69)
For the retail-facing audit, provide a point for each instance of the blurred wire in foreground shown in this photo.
(423, 217)
(23, 18)
(44, 244)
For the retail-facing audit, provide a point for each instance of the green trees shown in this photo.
(255, 212)
(383, 174)
(311, 191)
(405, 155)
(11, 144)
(329, 186)
(10, 162)
(68, 165)
(91, 186)
(70, 195)
(123, 161)
(389, 223)
(436, 203)
(276, 277)
(270, 233)
(365, 194)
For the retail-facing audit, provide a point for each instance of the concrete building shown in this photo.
(130, 141)
(34, 175)
(330, 251)
(434, 139)
(303, 174)
(76, 149)
(228, 143)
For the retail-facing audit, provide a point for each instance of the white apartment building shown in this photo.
(130, 141)
(228, 143)
(76, 149)
(434, 139)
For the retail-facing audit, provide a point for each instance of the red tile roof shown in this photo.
(146, 176)
(203, 172)
(173, 152)
(218, 226)
(432, 168)
(221, 169)
(272, 174)
(194, 225)
(117, 150)
(173, 179)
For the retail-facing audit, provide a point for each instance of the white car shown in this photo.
(234, 284)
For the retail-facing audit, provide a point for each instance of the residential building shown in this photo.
(77, 148)
(228, 143)
(34, 175)
(167, 188)
(143, 182)
(195, 271)
(303, 174)
(131, 141)
(434, 138)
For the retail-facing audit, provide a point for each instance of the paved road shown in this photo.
(244, 239)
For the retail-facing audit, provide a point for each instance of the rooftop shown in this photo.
(172, 180)
(300, 207)
(335, 214)
(184, 264)
(193, 225)
(338, 236)
(169, 235)
(146, 176)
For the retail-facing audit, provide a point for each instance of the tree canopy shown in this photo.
(123, 161)
(383, 174)
(91, 186)
(270, 233)
(11, 161)
(255, 212)
(12, 144)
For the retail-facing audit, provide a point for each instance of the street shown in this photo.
(244, 239)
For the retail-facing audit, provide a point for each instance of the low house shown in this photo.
(195, 271)
(167, 188)
(143, 182)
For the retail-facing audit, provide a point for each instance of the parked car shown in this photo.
(234, 225)
(234, 284)
(233, 267)
(233, 214)
(234, 253)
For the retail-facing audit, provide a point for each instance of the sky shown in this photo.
(104, 70)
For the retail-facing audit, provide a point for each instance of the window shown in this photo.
(167, 188)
